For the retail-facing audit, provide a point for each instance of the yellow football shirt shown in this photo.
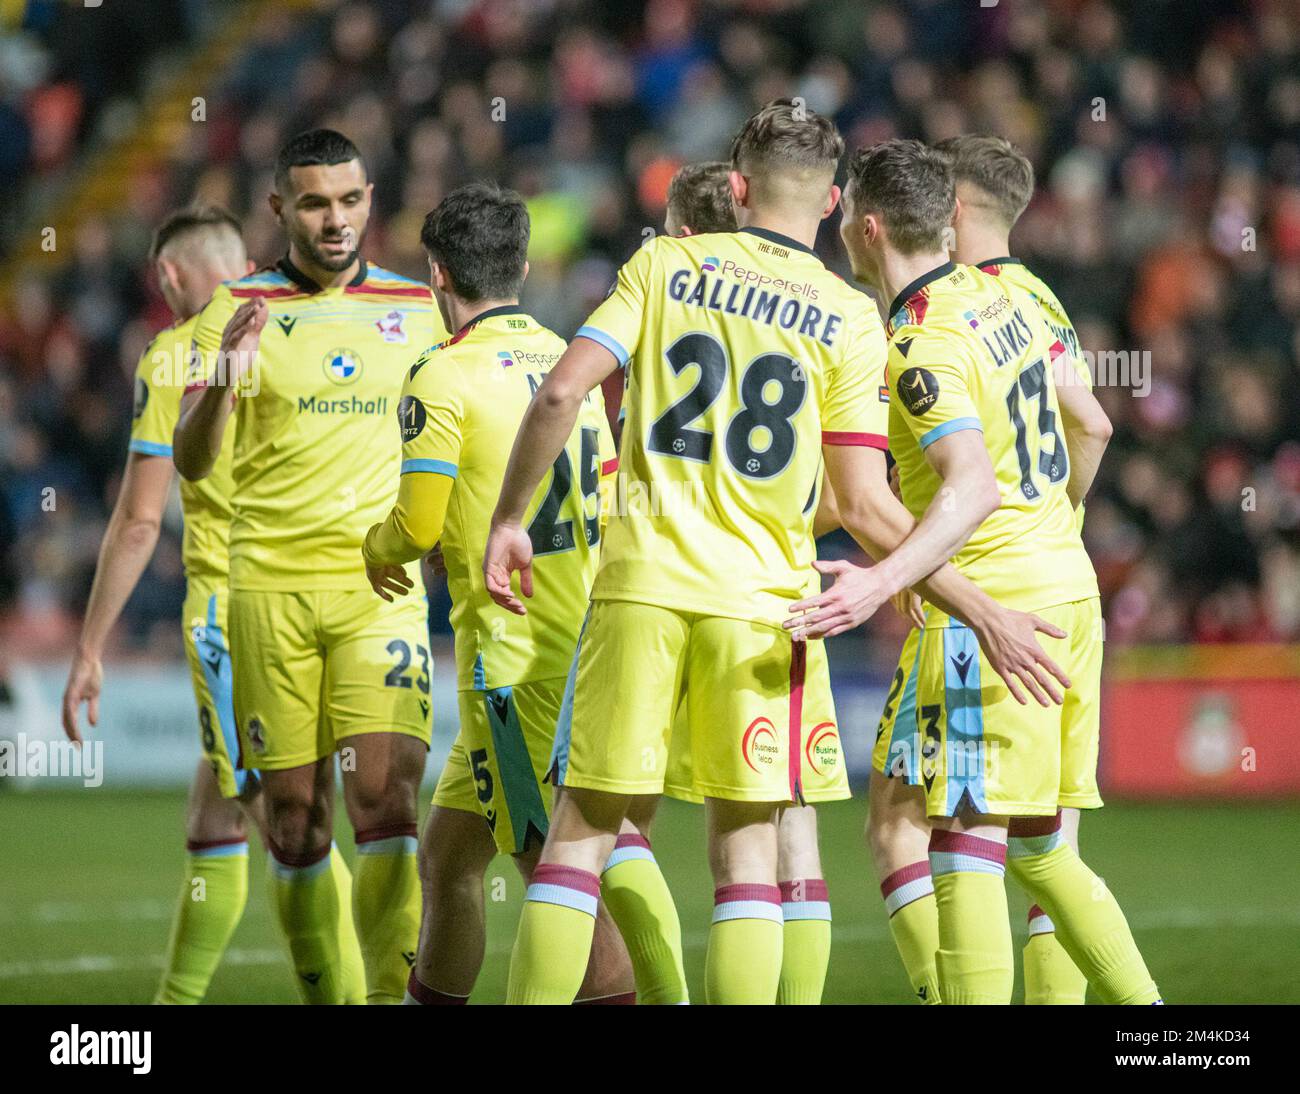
(317, 446)
(160, 379)
(460, 410)
(744, 356)
(1018, 274)
(967, 351)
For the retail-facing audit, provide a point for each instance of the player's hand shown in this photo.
(895, 482)
(389, 579)
(1012, 650)
(240, 340)
(851, 601)
(437, 564)
(911, 607)
(85, 679)
(508, 549)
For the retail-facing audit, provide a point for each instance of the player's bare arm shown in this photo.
(880, 524)
(196, 441)
(1087, 427)
(128, 545)
(542, 433)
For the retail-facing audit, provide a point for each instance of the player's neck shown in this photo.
(976, 245)
(326, 279)
(898, 271)
(800, 229)
(462, 313)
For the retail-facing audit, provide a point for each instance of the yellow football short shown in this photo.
(981, 748)
(897, 747)
(756, 731)
(500, 758)
(313, 668)
(823, 775)
(206, 649)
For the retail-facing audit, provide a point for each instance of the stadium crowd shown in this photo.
(1168, 221)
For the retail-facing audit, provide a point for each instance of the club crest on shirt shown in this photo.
(342, 366)
(390, 327)
(918, 390)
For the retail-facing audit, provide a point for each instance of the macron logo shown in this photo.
(115, 1048)
(710, 263)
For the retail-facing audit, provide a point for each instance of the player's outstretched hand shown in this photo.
(1010, 647)
(911, 607)
(851, 601)
(85, 678)
(437, 564)
(508, 549)
(389, 579)
(240, 339)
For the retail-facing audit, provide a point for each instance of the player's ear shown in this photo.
(525, 277)
(956, 211)
(277, 205)
(739, 187)
(832, 200)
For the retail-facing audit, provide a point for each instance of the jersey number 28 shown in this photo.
(672, 433)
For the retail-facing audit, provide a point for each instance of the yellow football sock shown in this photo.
(743, 965)
(639, 902)
(386, 904)
(213, 894)
(805, 941)
(974, 962)
(1089, 923)
(1051, 978)
(306, 901)
(554, 940)
(914, 923)
(354, 969)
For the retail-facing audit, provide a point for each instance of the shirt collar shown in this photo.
(920, 283)
(1005, 260)
(779, 239)
(491, 313)
(286, 267)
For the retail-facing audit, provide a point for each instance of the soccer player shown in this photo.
(460, 408)
(994, 183)
(971, 380)
(316, 348)
(193, 251)
(700, 201)
(749, 364)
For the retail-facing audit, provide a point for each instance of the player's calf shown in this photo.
(745, 940)
(805, 909)
(898, 836)
(455, 852)
(559, 915)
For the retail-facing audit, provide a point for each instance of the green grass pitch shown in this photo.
(87, 883)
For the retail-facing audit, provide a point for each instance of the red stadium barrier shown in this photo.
(1213, 721)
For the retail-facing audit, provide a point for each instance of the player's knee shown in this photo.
(297, 825)
(218, 821)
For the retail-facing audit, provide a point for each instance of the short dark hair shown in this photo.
(479, 232)
(782, 134)
(189, 219)
(700, 196)
(996, 166)
(314, 148)
(910, 185)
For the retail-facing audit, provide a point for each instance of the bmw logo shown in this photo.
(342, 366)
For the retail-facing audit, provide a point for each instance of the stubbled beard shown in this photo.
(324, 261)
